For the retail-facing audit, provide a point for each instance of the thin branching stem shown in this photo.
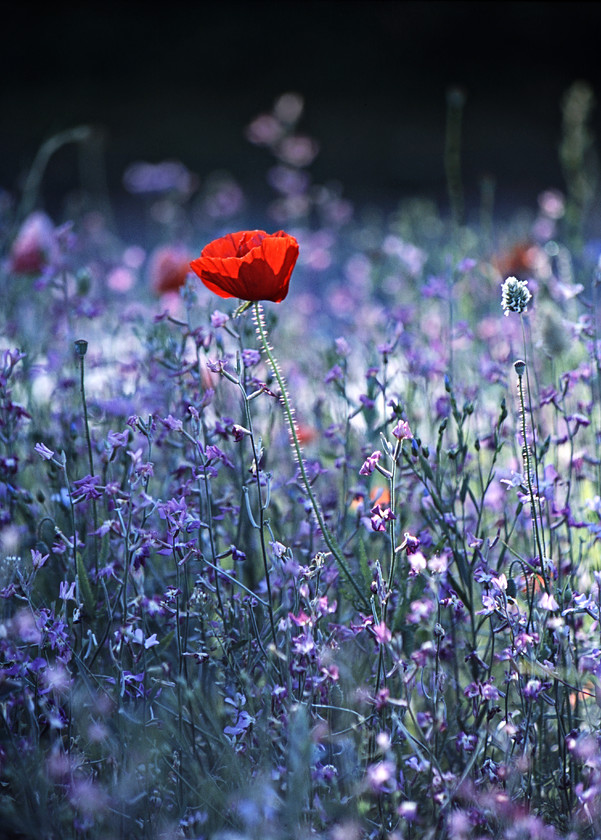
(329, 538)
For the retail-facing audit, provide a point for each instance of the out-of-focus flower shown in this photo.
(167, 176)
(223, 197)
(548, 602)
(219, 319)
(518, 260)
(306, 434)
(35, 245)
(298, 151)
(335, 374)
(121, 279)
(515, 295)
(250, 357)
(380, 776)
(407, 810)
(250, 264)
(169, 267)
(382, 633)
(552, 204)
(265, 130)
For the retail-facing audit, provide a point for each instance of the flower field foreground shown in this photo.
(323, 566)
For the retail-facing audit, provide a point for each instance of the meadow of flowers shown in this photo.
(300, 534)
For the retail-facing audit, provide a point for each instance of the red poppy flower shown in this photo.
(251, 265)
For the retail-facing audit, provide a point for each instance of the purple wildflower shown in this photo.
(250, 358)
(370, 462)
(381, 633)
(381, 777)
(219, 319)
(335, 374)
(380, 516)
(87, 488)
(402, 431)
(172, 423)
(43, 450)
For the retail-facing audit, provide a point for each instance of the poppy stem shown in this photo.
(329, 538)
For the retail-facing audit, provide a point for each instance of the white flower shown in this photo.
(548, 602)
(515, 295)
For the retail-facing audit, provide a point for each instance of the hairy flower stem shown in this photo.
(328, 537)
(519, 369)
(596, 353)
(393, 545)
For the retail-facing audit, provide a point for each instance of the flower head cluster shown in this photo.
(515, 295)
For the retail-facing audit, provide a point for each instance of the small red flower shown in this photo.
(250, 265)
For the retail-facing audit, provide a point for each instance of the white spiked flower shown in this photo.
(515, 295)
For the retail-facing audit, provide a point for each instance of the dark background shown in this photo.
(181, 81)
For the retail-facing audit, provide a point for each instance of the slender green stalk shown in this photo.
(81, 347)
(329, 538)
(452, 154)
(261, 522)
(519, 369)
(534, 430)
(393, 537)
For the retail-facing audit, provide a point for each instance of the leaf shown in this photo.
(363, 563)
(85, 588)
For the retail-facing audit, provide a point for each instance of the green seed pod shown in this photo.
(81, 347)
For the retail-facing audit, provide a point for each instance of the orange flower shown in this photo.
(251, 265)
(306, 435)
(518, 261)
(380, 494)
(168, 269)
